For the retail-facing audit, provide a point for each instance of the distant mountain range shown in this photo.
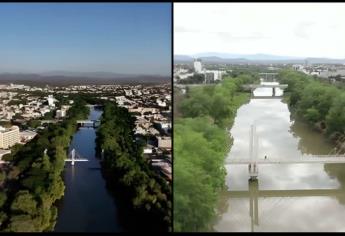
(61, 78)
(214, 57)
(96, 74)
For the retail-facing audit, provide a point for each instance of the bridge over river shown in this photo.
(254, 193)
(300, 173)
(253, 161)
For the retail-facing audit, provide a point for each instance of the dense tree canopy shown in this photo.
(319, 103)
(145, 192)
(34, 179)
(201, 143)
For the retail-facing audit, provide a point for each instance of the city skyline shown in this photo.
(117, 38)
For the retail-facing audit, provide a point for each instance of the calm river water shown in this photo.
(87, 205)
(313, 198)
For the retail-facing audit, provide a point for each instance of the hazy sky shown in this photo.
(287, 29)
(111, 37)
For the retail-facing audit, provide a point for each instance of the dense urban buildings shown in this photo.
(32, 108)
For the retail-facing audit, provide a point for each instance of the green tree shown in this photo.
(335, 119)
(2, 176)
(22, 223)
(34, 123)
(3, 198)
(24, 202)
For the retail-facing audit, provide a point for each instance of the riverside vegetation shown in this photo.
(320, 104)
(201, 143)
(33, 182)
(146, 196)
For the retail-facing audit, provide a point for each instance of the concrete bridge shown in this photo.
(255, 86)
(94, 105)
(288, 193)
(89, 123)
(254, 193)
(252, 87)
(266, 97)
(268, 76)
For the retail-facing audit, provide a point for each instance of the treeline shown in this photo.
(194, 79)
(146, 196)
(320, 104)
(201, 143)
(219, 102)
(33, 181)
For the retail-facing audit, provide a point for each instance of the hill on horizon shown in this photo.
(213, 57)
(78, 78)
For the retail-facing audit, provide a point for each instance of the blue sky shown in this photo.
(128, 38)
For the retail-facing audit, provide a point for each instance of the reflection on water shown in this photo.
(87, 206)
(289, 197)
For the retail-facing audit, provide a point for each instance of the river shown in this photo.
(87, 206)
(312, 198)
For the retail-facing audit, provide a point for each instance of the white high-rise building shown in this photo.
(197, 66)
(9, 137)
(51, 100)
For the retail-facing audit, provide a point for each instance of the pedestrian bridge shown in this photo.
(322, 159)
(73, 156)
(253, 161)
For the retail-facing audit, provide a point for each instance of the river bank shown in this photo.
(34, 182)
(144, 194)
(318, 103)
(200, 144)
(285, 197)
(87, 206)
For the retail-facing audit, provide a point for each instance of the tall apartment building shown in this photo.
(9, 137)
(197, 66)
(51, 100)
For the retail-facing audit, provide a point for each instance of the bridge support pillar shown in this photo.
(253, 187)
(253, 171)
(253, 167)
(73, 156)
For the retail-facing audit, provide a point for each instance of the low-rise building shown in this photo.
(27, 135)
(164, 142)
(60, 114)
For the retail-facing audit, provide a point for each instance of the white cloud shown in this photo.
(289, 29)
